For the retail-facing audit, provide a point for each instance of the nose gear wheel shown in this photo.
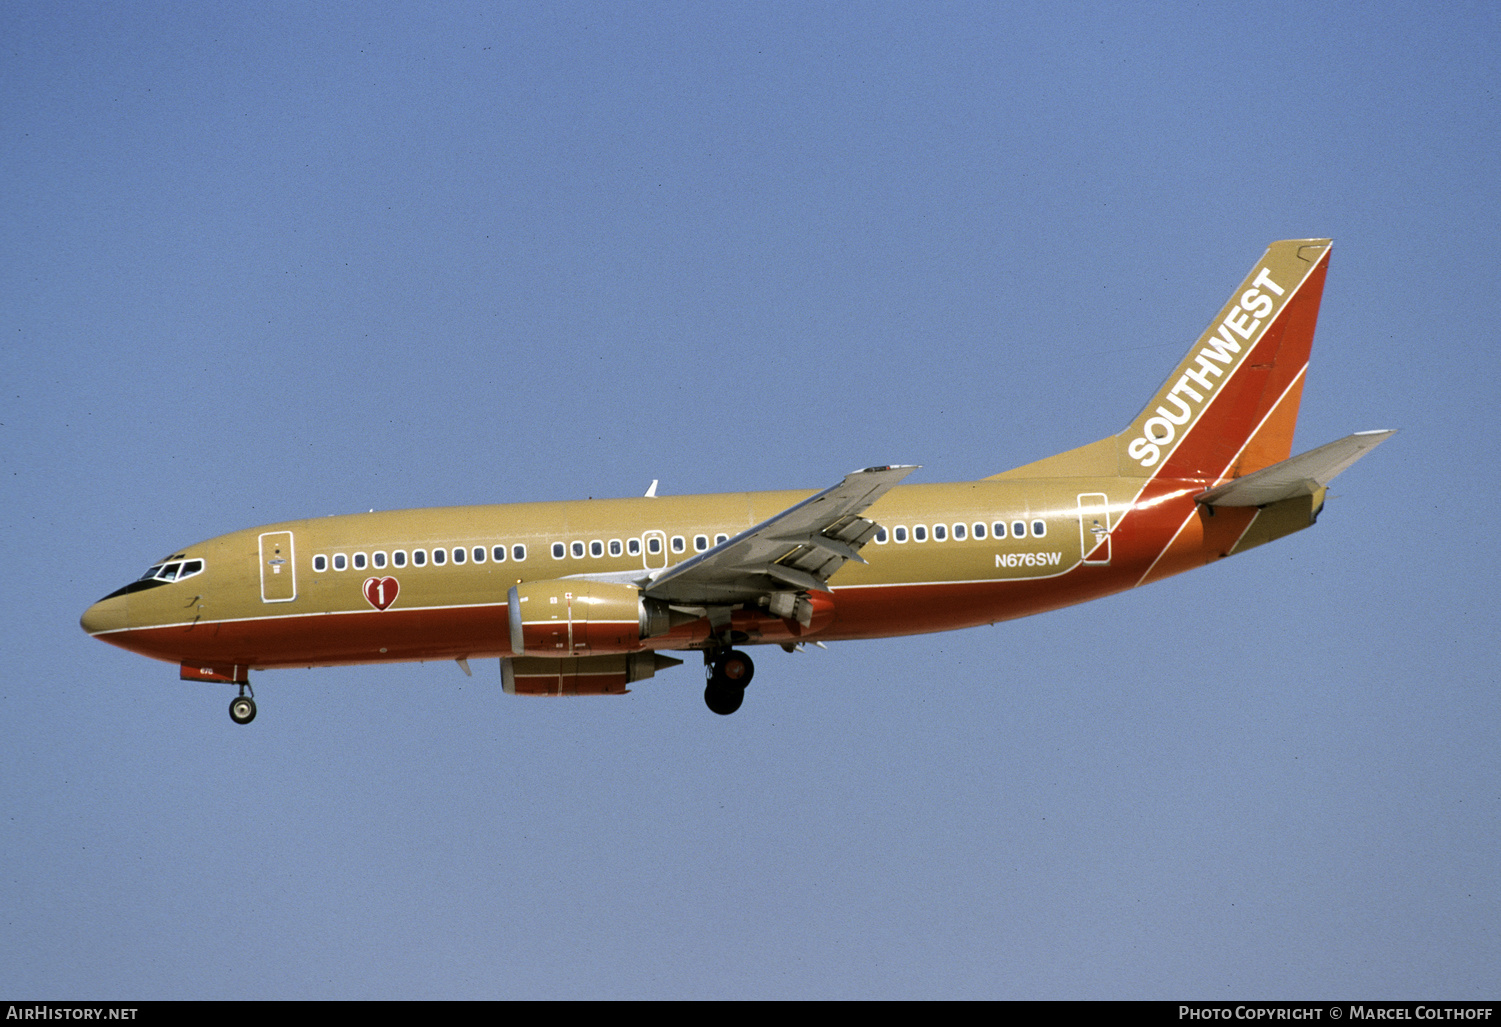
(242, 707)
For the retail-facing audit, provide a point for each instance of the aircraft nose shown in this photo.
(105, 615)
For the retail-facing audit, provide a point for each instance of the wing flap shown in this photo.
(801, 547)
(1301, 475)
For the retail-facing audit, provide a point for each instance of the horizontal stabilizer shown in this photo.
(1299, 476)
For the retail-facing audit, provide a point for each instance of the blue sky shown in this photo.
(273, 261)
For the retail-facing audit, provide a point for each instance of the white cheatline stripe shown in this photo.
(304, 616)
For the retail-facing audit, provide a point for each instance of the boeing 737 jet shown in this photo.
(585, 598)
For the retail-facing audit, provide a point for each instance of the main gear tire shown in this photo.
(735, 668)
(723, 699)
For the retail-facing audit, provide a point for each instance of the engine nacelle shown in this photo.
(579, 675)
(576, 617)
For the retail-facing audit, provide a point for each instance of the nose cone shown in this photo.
(105, 615)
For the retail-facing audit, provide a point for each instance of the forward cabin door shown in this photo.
(278, 568)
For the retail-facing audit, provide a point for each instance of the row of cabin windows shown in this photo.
(419, 557)
(959, 532)
(652, 542)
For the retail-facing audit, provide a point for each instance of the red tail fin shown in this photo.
(1231, 406)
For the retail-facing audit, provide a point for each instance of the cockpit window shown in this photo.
(173, 571)
(161, 574)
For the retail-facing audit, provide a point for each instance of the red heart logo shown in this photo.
(381, 592)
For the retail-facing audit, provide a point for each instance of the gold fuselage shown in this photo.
(242, 610)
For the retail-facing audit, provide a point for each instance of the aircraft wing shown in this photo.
(798, 550)
(1301, 475)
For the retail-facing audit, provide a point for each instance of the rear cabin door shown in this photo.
(278, 568)
(1095, 527)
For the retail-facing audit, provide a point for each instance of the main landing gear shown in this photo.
(729, 671)
(242, 709)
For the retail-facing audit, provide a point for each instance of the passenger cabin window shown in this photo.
(1039, 529)
(399, 558)
(940, 532)
(1018, 529)
(498, 554)
(596, 548)
(959, 533)
(979, 530)
(998, 529)
(615, 549)
(654, 545)
(359, 561)
(578, 550)
(518, 553)
(340, 561)
(458, 554)
(440, 557)
(920, 533)
(678, 544)
(633, 546)
(419, 558)
(320, 563)
(900, 533)
(479, 554)
(558, 551)
(378, 559)
(881, 536)
(700, 543)
(721, 537)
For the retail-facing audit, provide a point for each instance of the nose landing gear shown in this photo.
(729, 671)
(242, 708)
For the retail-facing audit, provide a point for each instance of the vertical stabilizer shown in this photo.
(1231, 405)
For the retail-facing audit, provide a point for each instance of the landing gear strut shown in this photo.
(242, 709)
(729, 671)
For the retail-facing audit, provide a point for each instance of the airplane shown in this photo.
(587, 598)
